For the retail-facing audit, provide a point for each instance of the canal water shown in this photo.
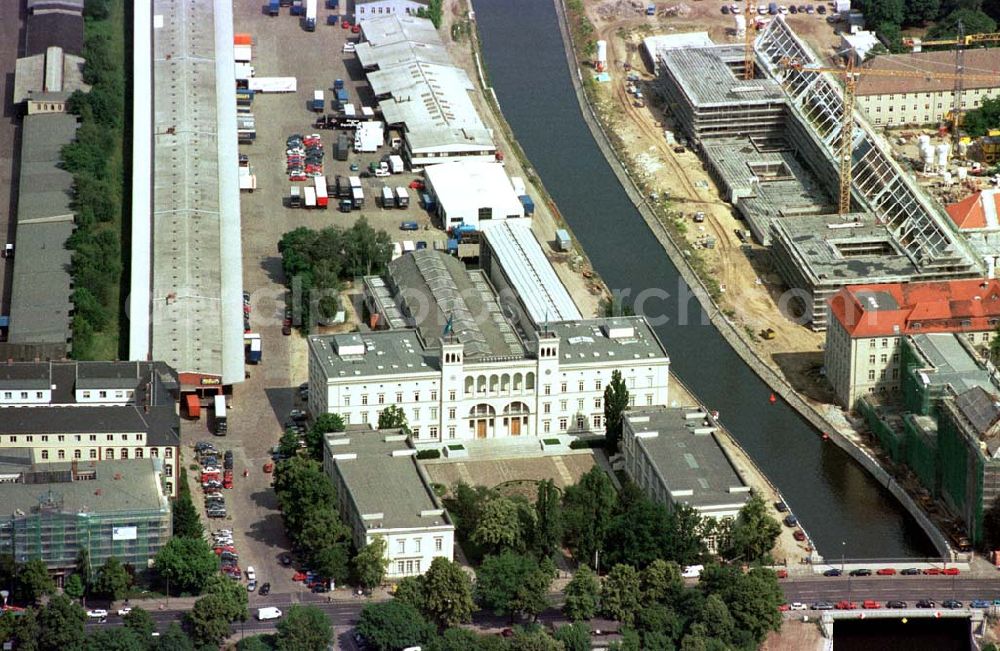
(843, 508)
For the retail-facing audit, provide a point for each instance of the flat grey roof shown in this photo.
(131, 485)
(393, 29)
(388, 352)
(64, 377)
(530, 273)
(385, 479)
(686, 454)
(40, 294)
(197, 276)
(707, 79)
(47, 28)
(587, 341)
(435, 289)
(953, 364)
(819, 243)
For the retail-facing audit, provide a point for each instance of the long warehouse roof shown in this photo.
(196, 268)
(530, 272)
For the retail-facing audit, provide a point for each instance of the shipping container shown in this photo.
(396, 164)
(563, 241)
(527, 204)
(273, 8)
(252, 344)
(318, 102)
(220, 417)
(358, 197)
(310, 193)
(430, 205)
(310, 23)
(295, 197)
(388, 197)
(355, 181)
(321, 196)
(402, 197)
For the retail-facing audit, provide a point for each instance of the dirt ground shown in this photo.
(795, 635)
(750, 286)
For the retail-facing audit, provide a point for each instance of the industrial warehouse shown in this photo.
(771, 144)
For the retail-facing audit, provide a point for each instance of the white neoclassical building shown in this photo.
(462, 369)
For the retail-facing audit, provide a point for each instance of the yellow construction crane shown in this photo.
(748, 55)
(971, 39)
(851, 74)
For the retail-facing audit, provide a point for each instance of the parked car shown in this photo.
(870, 604)
(264, 590)
(846, 605)
(285, 559)
(926, 603)
(798, 605)
(251, 585)
(951, 603)
(910, 571)
(979, 603)
(861, 571)
(950, 571)
(124, 610)
(895, 604)
(320, 588)
(97, 613)
(886, 571)
(833, 571)
(799, 535)
(822, 605)
(781, 506)
(784, 608)
(791, 520)
(932, 571)
(251, 573)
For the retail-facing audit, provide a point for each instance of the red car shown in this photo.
(225, 548)
(950, 571)
(299, 576)
(871, 604)
(782, 574)
(356, 29)
(847, 605)
(886, 571)
(799, 535)
(416, 184)
(345, 24)
(784, 608)
(932, 571)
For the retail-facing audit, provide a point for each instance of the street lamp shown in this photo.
(843, 555)
(4, 594)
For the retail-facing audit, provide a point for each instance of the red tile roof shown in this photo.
(912, 308)
(970, 212)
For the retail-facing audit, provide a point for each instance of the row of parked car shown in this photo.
(891, 571)
(871, 604)
(214, 478)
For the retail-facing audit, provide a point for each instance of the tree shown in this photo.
(499, 525)
(187, 564)
(233, 597)
(687, 542)
(410, 590)
(973, 22)
(714, 621)
(883, 11)
(661, 582)
(447, 594)
(587, 510)
(61, 625)
(393, 625)
(535, 639)
(302, 489)
(255, 643)
(752, 598)
(140, 621)
(370, 563)
(33, 581)
(393, 417)
(115, 639)
(978, 122)
(333, 562)
(465, 505)
(288, 444)
(323, 425)
(548, 530)
(462, 639)
(621, 595)
(74, 588)
(321, 530)
(174, 640)
(642, 530)
(209, 621)
(919, 12)
(304, 628)
(514, 584)
(660, 626)
(754, 533)
(187, 523)
(111, 581)
(582, 593)
(574, 637)
(616, 400)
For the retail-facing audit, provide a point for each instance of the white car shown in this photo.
(268, 613)
(798, 605)
(97, 613)
(348, 47)
(252, 585)
(251, 573)
(124, 611)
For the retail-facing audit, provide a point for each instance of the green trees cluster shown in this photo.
(978, 122)
(433, 10)
(888, 17)
(308, 503)
(316, 262)
(187, 522)
(616, 400)
(95, 160)
(210, 619)
(186, 565)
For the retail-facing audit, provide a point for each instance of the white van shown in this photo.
(692, 571)
(264, 614)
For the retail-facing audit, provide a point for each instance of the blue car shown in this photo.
(979, 603)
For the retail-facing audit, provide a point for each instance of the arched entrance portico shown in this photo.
(482, 421)
(515, 419)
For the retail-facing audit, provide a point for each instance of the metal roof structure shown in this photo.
(40, 303)
(193, 317)
(951, 362)
(433, 102)
(393, 54)
(530, 273)
(463, 187)
(51, 72)
(394, 29)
